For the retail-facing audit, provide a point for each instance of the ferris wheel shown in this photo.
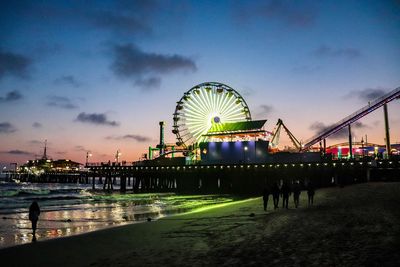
(203, 106)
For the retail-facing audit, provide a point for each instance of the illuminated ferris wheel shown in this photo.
(203, 106)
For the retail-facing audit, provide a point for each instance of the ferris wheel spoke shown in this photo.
(199, 105)
(194, 103)
(213, 100)
(221, 101)
(209, 99)
(202, 107)
(233, 110)
(236, 115)
(198, 110)
(229, 104)
(200, 129)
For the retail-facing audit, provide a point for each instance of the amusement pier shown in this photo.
(220, 149)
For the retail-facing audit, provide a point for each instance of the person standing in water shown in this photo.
(34, 212)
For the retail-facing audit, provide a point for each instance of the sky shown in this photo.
(98, 76)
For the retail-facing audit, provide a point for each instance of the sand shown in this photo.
(358, 225)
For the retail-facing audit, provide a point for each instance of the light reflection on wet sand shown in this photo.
(58, 219)
(71, 222)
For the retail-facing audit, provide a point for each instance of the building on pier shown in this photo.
(235, 142)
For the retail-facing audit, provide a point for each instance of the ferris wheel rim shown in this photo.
(219, 83)
(180, 134)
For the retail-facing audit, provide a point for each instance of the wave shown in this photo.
(9, 193)
(38, 192)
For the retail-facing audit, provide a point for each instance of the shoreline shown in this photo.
(127, 224)
(63, 215)
(347, 226)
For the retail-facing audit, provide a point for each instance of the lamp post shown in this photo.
(244, 152)
(362, 146)
(117, 156)
(88, 154)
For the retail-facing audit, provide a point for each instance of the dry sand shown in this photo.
(357, 225)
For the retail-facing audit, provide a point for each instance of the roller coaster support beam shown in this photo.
(350, 144)
(387, 133)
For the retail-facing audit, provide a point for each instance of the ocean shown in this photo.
(70, 209)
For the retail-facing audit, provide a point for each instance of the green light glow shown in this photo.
(220, 205)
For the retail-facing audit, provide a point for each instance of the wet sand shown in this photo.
(357, 225)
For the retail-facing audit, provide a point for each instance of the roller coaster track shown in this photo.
(373, 105)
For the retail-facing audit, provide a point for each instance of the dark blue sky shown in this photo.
(99, 75)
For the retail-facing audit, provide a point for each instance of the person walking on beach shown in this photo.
(296, 193)
(34, 212)
(266, 193)
(310, 193)
(275, 195)
(285, 192)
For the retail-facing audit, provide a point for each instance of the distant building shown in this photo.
(39, 166)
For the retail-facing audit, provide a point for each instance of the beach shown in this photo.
(357, 225)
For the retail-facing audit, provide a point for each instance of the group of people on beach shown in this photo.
(284, 191)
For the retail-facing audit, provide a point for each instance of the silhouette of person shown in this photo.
(275, 194)
(310, 193)
(296, 193)
(285, 192)
(34, 212)
(266, 193)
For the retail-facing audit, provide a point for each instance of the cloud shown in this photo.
(149, 83)
(265, 110)
(67, 80)
(132, 63)
(11, 96)
(325, 51)
(320, 127)
(18, 152)
(36, 142)
(358, 125)
(138, 138)
(14, 64)
(80, 148)
(37, 125)
(367, 94)
(61, 102)
(131, 17)
(288, 12)
(95, 118)
(6, 127)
